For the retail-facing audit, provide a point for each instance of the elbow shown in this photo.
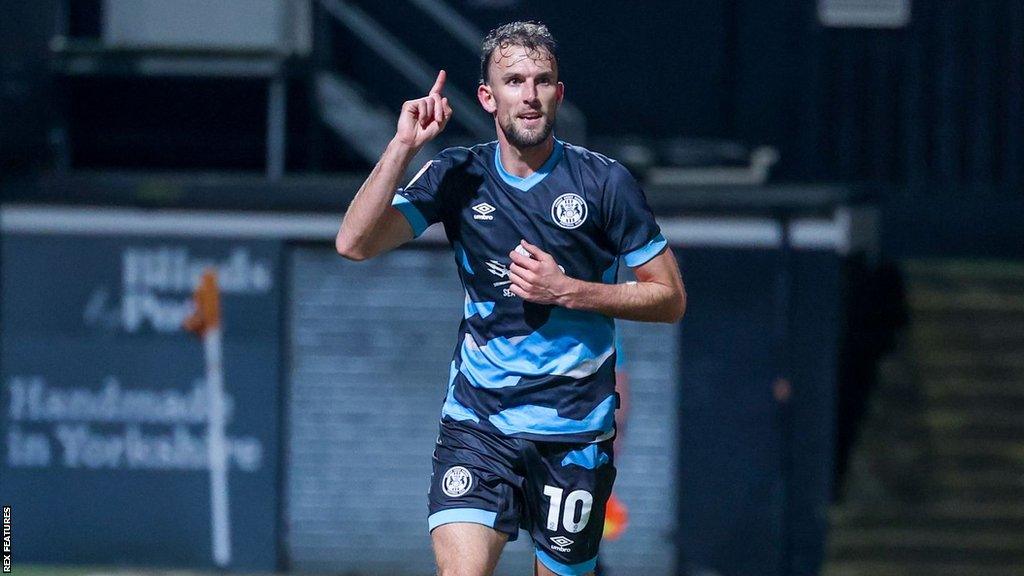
(348, 249)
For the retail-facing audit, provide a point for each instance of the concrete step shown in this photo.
(1007, 453)
(981, 479)
(967, 333)
(957, 423)
(876, 568)
(970, 359)
(1007, 374)
(968, 404)
(966, 328)
(965, 273)
(971, 425)
(997, 541)
(926, 489)
(990, 548)
(938, 510)
(954, 489)
(945, 442)
(958, 386)
(1000, 418)
(976, 433)
(973, 299)
(909, 522)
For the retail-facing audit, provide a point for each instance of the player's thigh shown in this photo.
(568, 489)
(466, 549)
(542, 570)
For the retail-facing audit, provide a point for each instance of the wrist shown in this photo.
(402, 150)
(569, 295)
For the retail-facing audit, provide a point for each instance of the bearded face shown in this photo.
(527, 129)
(523, 93)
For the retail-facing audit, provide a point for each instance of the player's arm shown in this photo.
(371, 226)
(658, 294)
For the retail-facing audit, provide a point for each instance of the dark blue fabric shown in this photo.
(522, 369)
(505, 488)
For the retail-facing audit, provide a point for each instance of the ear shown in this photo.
(486, 98)
(560, 92)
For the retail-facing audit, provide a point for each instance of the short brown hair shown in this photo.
(533, 36)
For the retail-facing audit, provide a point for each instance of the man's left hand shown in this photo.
(538, 278)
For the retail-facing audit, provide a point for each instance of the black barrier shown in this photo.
(104, 456)
(756, 414)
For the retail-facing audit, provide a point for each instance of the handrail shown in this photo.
(404, 61)
(450, 19)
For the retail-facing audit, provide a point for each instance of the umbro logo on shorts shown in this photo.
(561, 543)
(483, 211)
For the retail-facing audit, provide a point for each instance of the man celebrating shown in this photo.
(538, 228)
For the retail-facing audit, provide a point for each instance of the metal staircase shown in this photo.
(364, 126)
(328, 67)
(937, 482)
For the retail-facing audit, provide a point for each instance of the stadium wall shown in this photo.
(336, 371)
(105, 405)
(370, 350)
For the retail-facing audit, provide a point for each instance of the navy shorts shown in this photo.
(556, 491)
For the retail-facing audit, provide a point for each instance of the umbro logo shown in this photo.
(561, 543)
(483, 211)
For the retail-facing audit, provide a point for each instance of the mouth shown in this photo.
(531, 120)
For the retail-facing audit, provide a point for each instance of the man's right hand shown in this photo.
(423, 119)
(370, 227)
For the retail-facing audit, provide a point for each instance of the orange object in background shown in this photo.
(207, 306)
(616, 518)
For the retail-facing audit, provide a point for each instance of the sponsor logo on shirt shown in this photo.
(499, 270)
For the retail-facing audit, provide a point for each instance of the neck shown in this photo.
(522, 162)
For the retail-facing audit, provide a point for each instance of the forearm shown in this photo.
(356, 236)
(641, 301)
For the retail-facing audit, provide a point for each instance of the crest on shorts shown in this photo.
(457, 481)
(569, 211)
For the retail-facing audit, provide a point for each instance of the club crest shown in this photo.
(457, 481)
(569, 211)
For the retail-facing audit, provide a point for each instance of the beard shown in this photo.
(521, 138)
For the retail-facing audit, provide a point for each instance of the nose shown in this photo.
(530, 91)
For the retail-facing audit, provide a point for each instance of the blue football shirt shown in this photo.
(522, 369)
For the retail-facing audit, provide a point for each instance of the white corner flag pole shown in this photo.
(205, 322)
(217, 449)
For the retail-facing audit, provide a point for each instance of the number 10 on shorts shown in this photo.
(569, 517)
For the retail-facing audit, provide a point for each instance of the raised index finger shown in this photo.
(439, 83)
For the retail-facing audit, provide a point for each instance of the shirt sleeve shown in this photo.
(420, 200)
(629, 221)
